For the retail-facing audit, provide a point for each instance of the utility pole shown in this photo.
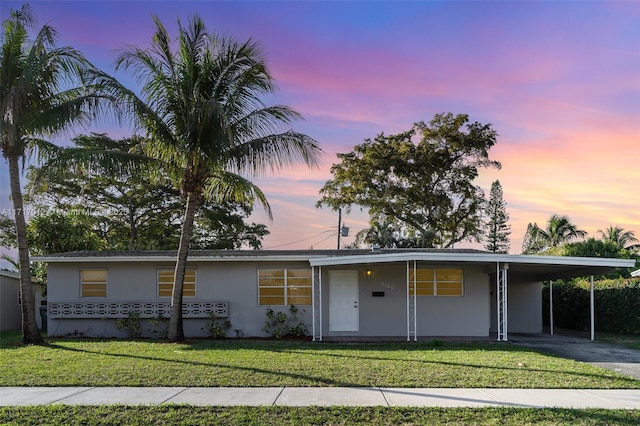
(339, 225)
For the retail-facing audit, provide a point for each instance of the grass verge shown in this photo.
(189, 415)
(76, 362)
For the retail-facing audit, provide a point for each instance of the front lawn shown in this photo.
(189, 415)
(88, 362)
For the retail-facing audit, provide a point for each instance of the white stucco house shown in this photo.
(341, 293)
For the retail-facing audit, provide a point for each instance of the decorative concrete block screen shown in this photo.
(145, 309)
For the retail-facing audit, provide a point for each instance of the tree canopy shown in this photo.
(137, 209)
(422, 178)
(388, 232)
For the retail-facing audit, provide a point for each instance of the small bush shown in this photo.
(130, 325)
(279, 324)
(216, 327)
(436, 343)
(159, 326)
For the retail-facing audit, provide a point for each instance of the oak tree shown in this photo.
(423, 178)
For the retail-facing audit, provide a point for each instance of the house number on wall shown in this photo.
(388, 285)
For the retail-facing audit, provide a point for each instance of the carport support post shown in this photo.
(501, 300)
(316, 303)
(551, 306)
(412, 292)
(592, 303)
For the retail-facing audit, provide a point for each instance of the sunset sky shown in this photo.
(559, 81)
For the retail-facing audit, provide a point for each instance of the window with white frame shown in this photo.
(284, 287)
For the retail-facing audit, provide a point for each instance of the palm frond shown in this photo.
(273, 152)
(226, 187)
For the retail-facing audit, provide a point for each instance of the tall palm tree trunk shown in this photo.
(176, 329)
(30, 332)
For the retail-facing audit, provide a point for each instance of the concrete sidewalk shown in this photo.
(327, 396)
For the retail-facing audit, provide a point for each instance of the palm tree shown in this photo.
(382, 232)
(559, 230)
(38, 97)
(618, 236)
(207, 125)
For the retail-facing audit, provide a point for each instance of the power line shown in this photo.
(321, 241)
(304, 239)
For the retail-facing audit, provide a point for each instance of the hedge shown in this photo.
(617, 305)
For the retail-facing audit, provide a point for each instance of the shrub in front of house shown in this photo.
(280, 324)
(216, 327)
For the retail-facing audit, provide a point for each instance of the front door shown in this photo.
(343, 301)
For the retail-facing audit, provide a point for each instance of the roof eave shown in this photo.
(113, 259)
(472, 258)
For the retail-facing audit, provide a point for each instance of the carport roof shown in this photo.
(540, 267)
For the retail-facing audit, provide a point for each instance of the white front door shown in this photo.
(343, 301)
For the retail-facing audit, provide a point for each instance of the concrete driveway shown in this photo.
(611, 357)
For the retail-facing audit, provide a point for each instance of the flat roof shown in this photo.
(221, 255)
(541, 267)
(9, 274)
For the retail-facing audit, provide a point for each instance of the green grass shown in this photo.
(90, 362)
(189, 415)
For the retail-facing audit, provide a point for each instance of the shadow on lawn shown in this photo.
(317, 351)
(610, 376)
(319, 380)
(321, 349)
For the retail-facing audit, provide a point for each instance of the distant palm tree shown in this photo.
(207, 125)
(382, 232)
(559, 230)
(618, 236)
(41, 92)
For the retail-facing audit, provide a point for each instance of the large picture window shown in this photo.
(437, 281)
(93, 283)
(165, 282)
(284, 287)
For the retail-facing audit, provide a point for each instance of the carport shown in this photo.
(499, 268)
